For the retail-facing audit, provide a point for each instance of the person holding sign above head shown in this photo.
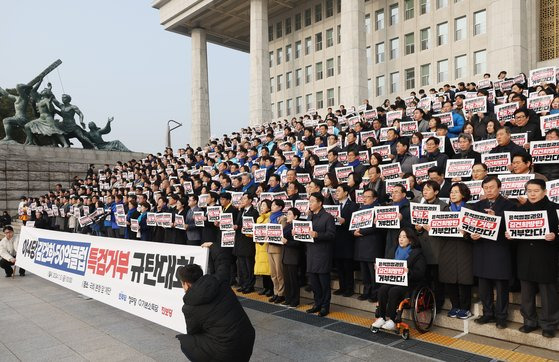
(291, 252)
(537, 265)
(390, 296)
(319, 254)
(492, 260)
(369, 245)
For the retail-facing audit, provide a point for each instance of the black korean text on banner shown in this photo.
(407, 129)
(361, 219)
(553, 190)
(321, 153)
(520, 139)
(333, 210)
(484, 146)
(445, 223)
(476, 191)
(392, 116)
(179, 222)
(387, 217)
(476, 105)
(303, 207)
(302, 231)
(540, 104)
(226, 221)
(474, 222)
(364, 135)
(342, 173)
(390, 184)
(390, 170)
(548, 122)
(455, 142)
(420, 170)
(505, 112)
(527, 224)
(274, 232)
(459, 168)
(483, 84)
(420, 212)
(512, 186)
(214, 213)
(288, 156)
(227, 239)
(541, 75)
(260, 233)
(198, 218)
(166, 219)
(544, 151)
(383, 134)
(391, 271)
(497, 163)
(342, 157)
(247, 227)
(150, 219)
(383, 151)
(425, 104)
(304, 178)
(320, 171)
(370, 114)
(445, 118)
(260, 175)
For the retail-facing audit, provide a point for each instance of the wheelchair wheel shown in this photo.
(406, 334)
(424, 309)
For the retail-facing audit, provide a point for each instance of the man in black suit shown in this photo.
(437, 174)
(244, 245)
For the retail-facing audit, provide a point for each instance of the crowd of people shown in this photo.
(296, 169)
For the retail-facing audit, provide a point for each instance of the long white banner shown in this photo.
(136, 276)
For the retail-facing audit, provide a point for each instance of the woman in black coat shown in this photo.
(537, 265)
(290, 256)
(180, 234)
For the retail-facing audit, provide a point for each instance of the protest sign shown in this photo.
(455, 143)
(86, 220)
(120, 209)
(544, 151)
(459, 168)
(476, 104)
(227, 239)
(213, 213)
(179, 222)
(391, 271)
(247, 226)
(541, 75)
(260, 175)
(390, 170)
(150, 219)
(383, 134)
(519, 139)
(512, 186)
(407, 129)
(134, 225)
(444, 223)
(203, 200)
(383, 151)
(420, 170)
(288, 156)
(302, 231)
(342, 157)
(553, 190)
(548, 122)
(420, 212)
(529, 225)
(188, 188)
(540, 104)
(115, 273)
(484, 146)
(361, 219)
(392, 116)
(476, 191)
(364, 135)
(497, 163)
(474, 222)
(333, 210)
(359, 196)
(321, 153)
(414, 151)
(274, 233)
(260, 234)
(445, 118)
(442, 144)
(370, 114)
(304, 178)
(225, 221)
(387, 217)
(505, 112)
(342, 173)
(166, 219)
(483, 84)
(303, 207)
(425, 104)
(390, 184)
(320, 171)
(198, 218)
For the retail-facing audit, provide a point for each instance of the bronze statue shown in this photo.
(71, 130)
(95, 136)
(44, 125)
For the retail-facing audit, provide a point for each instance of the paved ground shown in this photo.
(42, 321)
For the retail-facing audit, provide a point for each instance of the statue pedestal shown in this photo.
(34, 171)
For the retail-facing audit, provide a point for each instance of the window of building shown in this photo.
(460, 28)
(394, 45)
(479, 22)
(298, 75)
(408, 9)
(330, 97)
(339, 65)
(329, 37)
(271, 59)
(410, 43)
(424, 35)
(308, 101)
(308, 45)
(330, 67)
(329, 8)
(379, 19)
(442, 4)
(319, 100)
(424, 6)
(318, 13)
(299, 105)
(442, 33)
(319, 74)
(369, 55)
(442, 70)
(280, 109)
(298, 21)
(394, 82)
(460, 66)
(318, 41)
(289, 107)
(425, 74)
(393, 14)
(287, 26)
(308, 74)
(379, 53)
(279, 56)
(278, 30)
(298, 48)
(368, 23)
(272, 84)
(279, 80)
(339, 6)
(288, 52)
(480, 62)
(380, 86)
(270, 33)
(410, 78)
(339, 34)
(272, 110)
(548, 30)
(370, 87)
(288, 79)
(308, 17)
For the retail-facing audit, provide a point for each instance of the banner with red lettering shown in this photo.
(391, 271)
(420, 170)
(459, 168)
(512, 186)
(361, 219)
(387, 217)
(544, 151)
(390, 170)
(444, 223)
(474, 222)
(497, 163)
(420, 212)
(529, 225)
(302, 231)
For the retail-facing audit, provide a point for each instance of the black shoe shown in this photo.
(239, 290)
(270, 293)
(248, 290)
(501, 324)
(338, 292)
(527, 329)
(548, 333)
(323, 312)
(263, 292)
(484, 319)
(279, 300)
(294, 305)
(273, 299)
(286, 303)
(308, 288)
(313, 310)
(363, 297)
(21, 274)
(348, 293)
(8, 276)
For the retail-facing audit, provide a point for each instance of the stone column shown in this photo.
(354, 57)
(200, 112)
(260, 98)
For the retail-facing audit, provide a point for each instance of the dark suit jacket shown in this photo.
(319, 253)
(343, 244)
(291, 252)
(244, 245)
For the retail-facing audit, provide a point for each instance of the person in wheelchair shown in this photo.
(390, 296)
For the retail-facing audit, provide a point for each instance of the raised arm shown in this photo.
(107, 127)
(4, 93)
